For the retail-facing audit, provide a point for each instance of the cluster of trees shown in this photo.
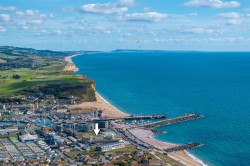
(16, 76)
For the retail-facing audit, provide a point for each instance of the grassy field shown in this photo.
(168, 160)
(8, 56)
(8, 136)
(48, 78)
(72, 154)
(125, 149)
(88, 134)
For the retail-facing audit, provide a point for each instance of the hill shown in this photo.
(28, 72)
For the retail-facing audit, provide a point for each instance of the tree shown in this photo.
(16, 76)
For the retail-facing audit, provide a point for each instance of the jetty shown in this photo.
(182, 147)
(133, 117)
(183, 118)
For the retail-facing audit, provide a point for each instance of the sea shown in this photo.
(214, 84)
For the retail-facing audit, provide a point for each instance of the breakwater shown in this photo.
(183, 118)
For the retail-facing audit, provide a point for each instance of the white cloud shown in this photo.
(212, 4)
(24, 25)
(68, 9)
(127, 34)
(8, 8)
(234, 22)
(4, 17)
(103, 30)
(35, 14)
(147, 16)
(193, 14)
(105, 8)
(127, 3)
(232, 18)
(2, 29)
(58, 32)
(30, 19)
(231, 15)
(36, 21)
(199, 30)
(247, 9)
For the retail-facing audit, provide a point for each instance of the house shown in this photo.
(61, 109)
(21, 108)
(110, 146)
(109, 134)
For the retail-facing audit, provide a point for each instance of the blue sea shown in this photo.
(214, 84)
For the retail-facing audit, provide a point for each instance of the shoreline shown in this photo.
(69, 58)
(147, 137)
(101, 103)
(71, 66)
(196, 159)
(118, 110)
(182, 156)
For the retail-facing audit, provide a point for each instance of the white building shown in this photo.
(110, 146)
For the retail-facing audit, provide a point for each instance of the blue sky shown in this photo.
(207, 25)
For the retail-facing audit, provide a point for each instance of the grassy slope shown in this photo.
(168, 160)
(7, 56)
(50, 78)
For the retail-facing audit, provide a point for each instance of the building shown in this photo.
(103, 124)
(79, 126)
(21, 108)
(28, 138)
(110, 146)
(61, 109)
(73, 139)
(85, 126)
(55, 139)
(108, 134)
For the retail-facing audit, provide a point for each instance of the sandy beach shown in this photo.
(69, 58)
(70, 66)
(142, 134)
(101, 104)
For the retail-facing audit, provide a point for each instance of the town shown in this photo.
(54, 117)
(52, 134)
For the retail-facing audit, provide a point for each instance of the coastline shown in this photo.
(71, 66)
(115, 108)
(109, 110)
(147, 137)
(195, 158)
(101, 103)
(69, 58)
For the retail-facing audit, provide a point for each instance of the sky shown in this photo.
(104, 25)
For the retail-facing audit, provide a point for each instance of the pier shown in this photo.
(183, 118)
(159, 116)
(182, 147)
